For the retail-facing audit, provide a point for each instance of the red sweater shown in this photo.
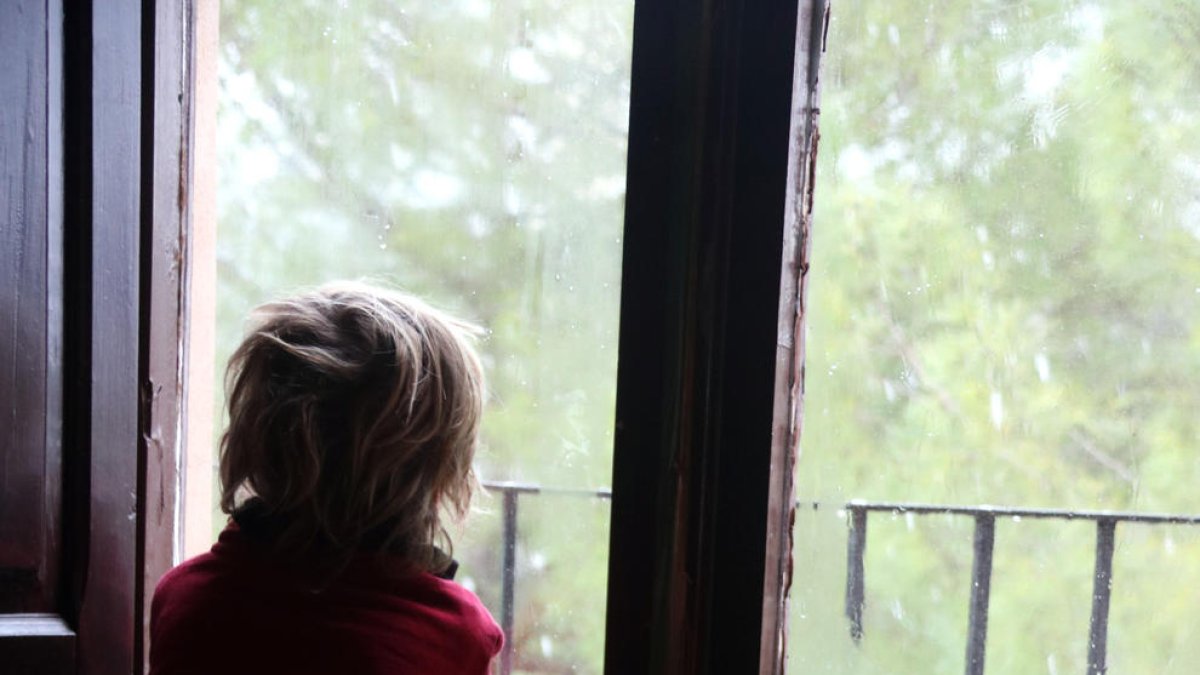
(237, 609)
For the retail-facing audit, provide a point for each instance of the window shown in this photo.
(1003, 311)
(679, 286)
(1041, 330)
(472, 153)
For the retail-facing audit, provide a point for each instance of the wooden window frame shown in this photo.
(117, 91)
(710, 373)
(95, 186)
(102, 191)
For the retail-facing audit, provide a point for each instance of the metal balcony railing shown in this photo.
(857, 511)
(511, 493)
(981, 568)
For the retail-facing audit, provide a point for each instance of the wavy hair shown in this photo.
(353, 418)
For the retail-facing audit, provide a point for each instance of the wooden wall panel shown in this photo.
(28, 462)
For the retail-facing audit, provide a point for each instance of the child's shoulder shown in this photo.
(204, 575)
(185, 580)
(473, 616)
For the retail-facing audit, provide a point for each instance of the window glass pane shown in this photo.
(1004, 309)
(472, 153)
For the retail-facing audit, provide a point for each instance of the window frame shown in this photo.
(93, 190)
(102, 196)
(114, 183)
(710, 371)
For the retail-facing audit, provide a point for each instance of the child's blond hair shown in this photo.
(353, 417)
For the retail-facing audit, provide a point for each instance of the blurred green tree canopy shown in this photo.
(1004, 309)
(1004, 303)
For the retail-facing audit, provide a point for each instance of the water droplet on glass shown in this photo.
(1042, 365)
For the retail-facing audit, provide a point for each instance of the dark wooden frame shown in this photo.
(719, 177)
(91, 191)
(115, 190)
(169, 54)
(102, 196)
(790, 351)
(42, 642)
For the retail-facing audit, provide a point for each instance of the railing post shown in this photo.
(856, 546)
(508, 579)
(981, 586)
(1106, 530)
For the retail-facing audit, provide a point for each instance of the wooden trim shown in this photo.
(108, 614)
(55, 365)
(76, 306)
(789, 356)
(709, 141)
(165, 259)
(102, 110)
(39, 625)
(202, 288)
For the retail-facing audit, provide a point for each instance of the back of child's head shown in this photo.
(353, 417)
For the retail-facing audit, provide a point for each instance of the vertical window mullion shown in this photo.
(708, 194)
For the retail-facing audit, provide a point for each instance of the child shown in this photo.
(353, 415)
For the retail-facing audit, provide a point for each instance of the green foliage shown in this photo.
(1004, 303)
(1004, 309)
